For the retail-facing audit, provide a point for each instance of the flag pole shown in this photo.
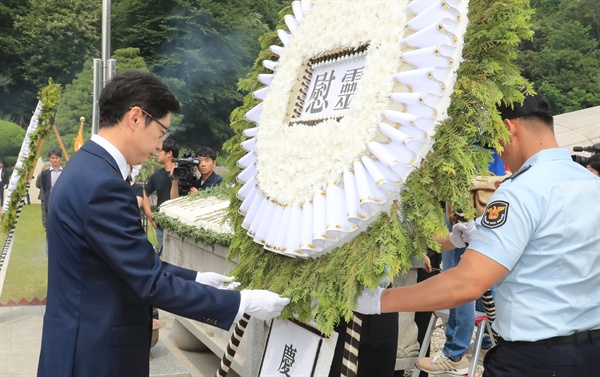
(103, 69)
(60, 142)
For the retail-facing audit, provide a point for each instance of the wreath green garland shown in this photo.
(50, 96)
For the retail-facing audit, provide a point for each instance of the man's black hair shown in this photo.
(594, 162)
(534, 106)
(170, 145)
(206, 152)
(135, 88)
(54, 152)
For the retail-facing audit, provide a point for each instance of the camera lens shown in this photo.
(180, 173)
(581, 160)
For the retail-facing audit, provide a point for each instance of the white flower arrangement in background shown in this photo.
(206, 213)
(310, 188)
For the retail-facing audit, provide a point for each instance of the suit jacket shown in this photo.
(4, 177)
(104, 277)
(44, 183)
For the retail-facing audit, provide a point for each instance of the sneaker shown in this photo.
(482, 352)
(441, 364)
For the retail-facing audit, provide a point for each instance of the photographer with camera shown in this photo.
(184, 178)
(160, 182)
(591, 163)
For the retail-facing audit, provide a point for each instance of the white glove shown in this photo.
(463, 233)
(216, 280)
(369, 302)
(262, 304)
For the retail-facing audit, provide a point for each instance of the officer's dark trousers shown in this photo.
(574, 356)
(377, 350)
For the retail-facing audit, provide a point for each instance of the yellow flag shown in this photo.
(79, 139)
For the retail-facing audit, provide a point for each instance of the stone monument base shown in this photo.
(193, 335)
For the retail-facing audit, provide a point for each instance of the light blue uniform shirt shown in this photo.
(543, 225)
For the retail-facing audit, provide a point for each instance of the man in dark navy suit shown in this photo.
(103, 274)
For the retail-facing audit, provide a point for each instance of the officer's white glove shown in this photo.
(369, 302)
(470, 232)
(463, 233)
(262, 304)
(216, 280)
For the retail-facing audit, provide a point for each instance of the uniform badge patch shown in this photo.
(495, 214)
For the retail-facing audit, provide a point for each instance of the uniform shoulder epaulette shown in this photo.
(519, 172)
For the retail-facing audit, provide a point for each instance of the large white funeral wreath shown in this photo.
(368, 113)
(348, 113)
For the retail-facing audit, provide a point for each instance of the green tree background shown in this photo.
(203, 48)
(11, 138)
(563, 59)
(46, 38)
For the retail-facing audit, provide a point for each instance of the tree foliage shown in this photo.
(211, 46)
(202, 48)
(9, 41)
(55, 37)
(13, 88)
(11, 138)
(60, 34)
(563, 58)
(141, 24)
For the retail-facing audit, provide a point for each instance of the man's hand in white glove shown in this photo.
(262, 304)
(369, 302)
(463, 233)
(216, 280)
(470, 232)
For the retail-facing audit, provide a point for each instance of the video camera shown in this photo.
(581, 160)
(185, 172)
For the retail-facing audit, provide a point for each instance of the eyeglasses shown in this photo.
(166, 131)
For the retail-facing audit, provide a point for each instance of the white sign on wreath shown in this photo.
(292, 350)
(348, 112)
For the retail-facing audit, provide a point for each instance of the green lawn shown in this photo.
(27, 272)
(28, 267)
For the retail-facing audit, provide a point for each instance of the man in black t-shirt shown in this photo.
(161, 183)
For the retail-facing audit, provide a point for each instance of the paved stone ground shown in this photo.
(20, 329)
(20, 336)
